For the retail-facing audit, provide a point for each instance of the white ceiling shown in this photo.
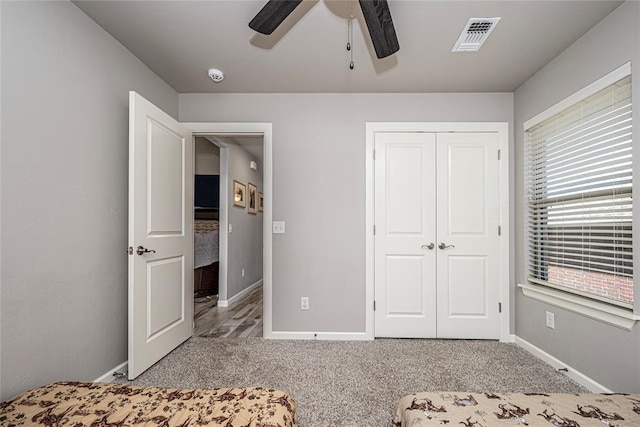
(181, 40)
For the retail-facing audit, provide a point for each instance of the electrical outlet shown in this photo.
(243, 272)
(278, 227)
(551, 320)
(304, 303)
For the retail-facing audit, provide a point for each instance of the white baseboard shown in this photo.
(227, 302)
(577, 376)
(508, 338)
(108, 376)
(321, 336)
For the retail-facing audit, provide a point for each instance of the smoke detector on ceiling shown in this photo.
(216, 75)
(474, 34)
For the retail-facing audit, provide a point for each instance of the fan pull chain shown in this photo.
(350, 35)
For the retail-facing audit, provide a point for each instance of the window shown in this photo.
(579, 199)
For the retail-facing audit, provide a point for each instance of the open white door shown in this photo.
(160, 234)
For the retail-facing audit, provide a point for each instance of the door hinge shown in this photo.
(499, 154)
(499, 307)
(374, 154)
(374, 229)
(374, 305)
(499, 230)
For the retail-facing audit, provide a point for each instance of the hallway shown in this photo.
(242, 319)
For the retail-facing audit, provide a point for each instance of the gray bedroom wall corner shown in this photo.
(65, 85)
(607, 354)
(322, 253)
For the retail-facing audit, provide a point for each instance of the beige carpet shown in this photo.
(355, 383)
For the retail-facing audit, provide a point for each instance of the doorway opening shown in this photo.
(228, 235)
(160, 237)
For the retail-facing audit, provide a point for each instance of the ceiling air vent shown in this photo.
(474, 34)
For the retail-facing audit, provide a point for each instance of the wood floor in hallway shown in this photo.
(242, 319)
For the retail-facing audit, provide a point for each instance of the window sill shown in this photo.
(615, 316)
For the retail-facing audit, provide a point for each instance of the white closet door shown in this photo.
(468, 218)
(444, 189)
(405, 226)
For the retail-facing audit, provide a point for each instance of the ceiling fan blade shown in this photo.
(381, 30)
(272, 14)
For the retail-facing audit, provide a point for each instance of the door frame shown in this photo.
(223, 216)
(504, 268)
(264, 129)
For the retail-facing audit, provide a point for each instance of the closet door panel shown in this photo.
(468, 241)
(405, 225)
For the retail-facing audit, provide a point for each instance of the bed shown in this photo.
(79, 404)
(518, 409)
(206, 256)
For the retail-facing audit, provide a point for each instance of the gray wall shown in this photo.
(245, 242)
(607, 354)
(65, 86)
(207, 157)
(319, 182)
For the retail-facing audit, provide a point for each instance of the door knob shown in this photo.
(429, 246)
(443, 246)
(142, 250)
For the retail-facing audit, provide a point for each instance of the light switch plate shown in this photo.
(278, 227)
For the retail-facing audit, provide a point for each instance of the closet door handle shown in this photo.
(142, 250)
(431, 245)
(443, 246)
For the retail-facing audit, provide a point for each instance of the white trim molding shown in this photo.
(577, 376)
(223, 215)
(236, 297)
(320, 336)
(108, 376)
(603, 312)
(617, 74)
(502, 129)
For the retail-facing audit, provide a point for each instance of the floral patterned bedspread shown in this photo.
(516, 409)
(77, 404)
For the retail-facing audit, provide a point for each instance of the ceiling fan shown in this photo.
(376, 15)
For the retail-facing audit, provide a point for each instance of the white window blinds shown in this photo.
(579, 178)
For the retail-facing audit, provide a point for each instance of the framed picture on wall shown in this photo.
(260, 202)
(253, 199)
(239, 194)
